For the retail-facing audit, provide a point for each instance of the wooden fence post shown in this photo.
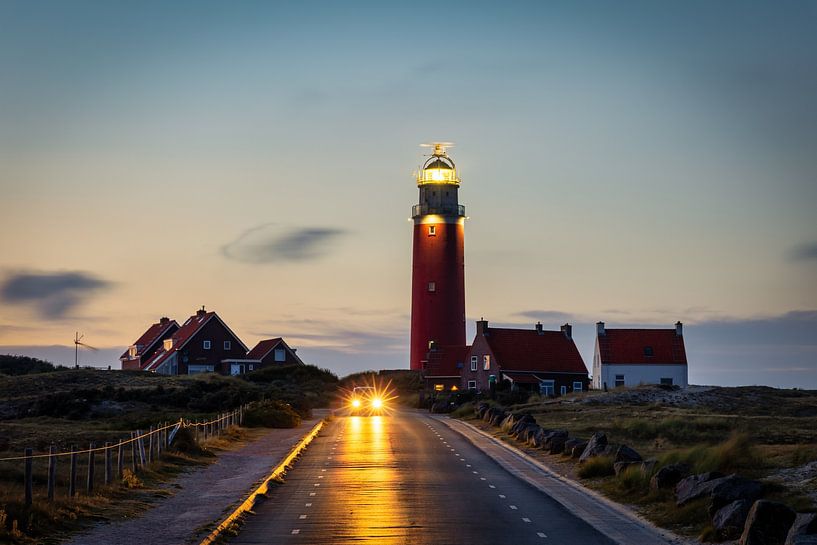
(160, 440)
(29, 483)
(108, 463)
(89, 488)
(133, 460)
(140, 444)
(72, 479)
(150, 446)
(52, 471)
(120, 460)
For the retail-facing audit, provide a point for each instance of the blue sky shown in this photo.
(637, 163)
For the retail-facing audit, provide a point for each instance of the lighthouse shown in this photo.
(438, 261)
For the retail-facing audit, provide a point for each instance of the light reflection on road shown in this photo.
(369, 481)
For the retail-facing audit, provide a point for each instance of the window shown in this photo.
(472, 384)
(227, 345)
(619, 380)
(474, 360)
(563, 390)
(252, 367)
(666, 381)
(280, 354)
(486, 362)
(547, 387)
(432, 287)
(432, 230)
(439, 387)
(132, 351)
(206, 345)
(578, 386)
(648, 351)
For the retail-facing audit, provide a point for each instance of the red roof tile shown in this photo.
(443, 361)
(529, 350)
(149, 337)
(628, 346)
(263, 348)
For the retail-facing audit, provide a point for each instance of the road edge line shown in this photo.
(621, 510)
(248, 504)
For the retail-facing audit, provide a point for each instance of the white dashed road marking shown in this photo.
(525, 519)
(502, 496)
(540, 534)
(302, 517)
(512, 506)
(296, 531)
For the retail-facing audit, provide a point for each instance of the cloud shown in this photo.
(804, 252)
(52, 295)
(268, 244)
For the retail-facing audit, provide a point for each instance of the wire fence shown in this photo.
(140, 450)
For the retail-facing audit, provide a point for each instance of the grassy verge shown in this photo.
(716, 433)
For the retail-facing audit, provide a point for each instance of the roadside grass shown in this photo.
(463, 411)
(755, 432)
(51, 522)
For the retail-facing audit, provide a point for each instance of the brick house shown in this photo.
(442, 367)
(137, 354)
(537, 360)
(273, 352)
(629, 357)
(202, 344)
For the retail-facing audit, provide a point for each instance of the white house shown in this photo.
(629, 357)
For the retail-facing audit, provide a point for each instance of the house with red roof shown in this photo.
(442, 367)
(273, 352)
(148, 343)
(536, 359)
(203, 343)
(629, 357)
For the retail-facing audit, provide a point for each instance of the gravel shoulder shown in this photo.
(204, 495)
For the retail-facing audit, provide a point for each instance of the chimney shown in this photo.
(679, 329)
(567, 329)
(201, 312)
(539, 328)
(482, 327)
(600, 329)
(164, 320)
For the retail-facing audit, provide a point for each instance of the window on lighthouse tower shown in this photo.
(432, 230)
(432, 286)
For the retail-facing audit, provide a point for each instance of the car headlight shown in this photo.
(377, 403)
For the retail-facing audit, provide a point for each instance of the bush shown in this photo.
(598, 466)
(271, 414)
(733, 455)
(464, 410)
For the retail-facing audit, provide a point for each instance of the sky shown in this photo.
(637, 163)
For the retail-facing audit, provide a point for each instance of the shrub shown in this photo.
(464, 410)
(598, 466)
(734, 454)
(271, 414)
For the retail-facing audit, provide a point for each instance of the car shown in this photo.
(365, 400)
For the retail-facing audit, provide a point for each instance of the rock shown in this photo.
(669, 475)
(729, 520)
(575, 448)
(521, 423)
(595, 447)
(731, 489)
(527, 431)
(479, 410)
(648, 466)
(696, 486)
(768, 523)
(499, 414)
(625, 454)
(804, 530)
(621, 467)
(555, 441)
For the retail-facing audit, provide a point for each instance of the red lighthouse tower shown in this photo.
(438, 265)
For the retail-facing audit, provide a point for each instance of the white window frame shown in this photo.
(280, 351)
(228, 345)
(547, 387)
(474, 362)
(207, 345)
(578, 386)
(472, 384)
(616, 381)
(252, 367)
(486, 362)
(563, 390)
(432, 287)
(432, 230)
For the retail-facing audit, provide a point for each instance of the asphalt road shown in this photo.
(405, 478)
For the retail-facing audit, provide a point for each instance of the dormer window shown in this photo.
(132, 351)
(648, 351)
(207, 345)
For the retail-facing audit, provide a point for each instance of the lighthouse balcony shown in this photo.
(445, 210)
